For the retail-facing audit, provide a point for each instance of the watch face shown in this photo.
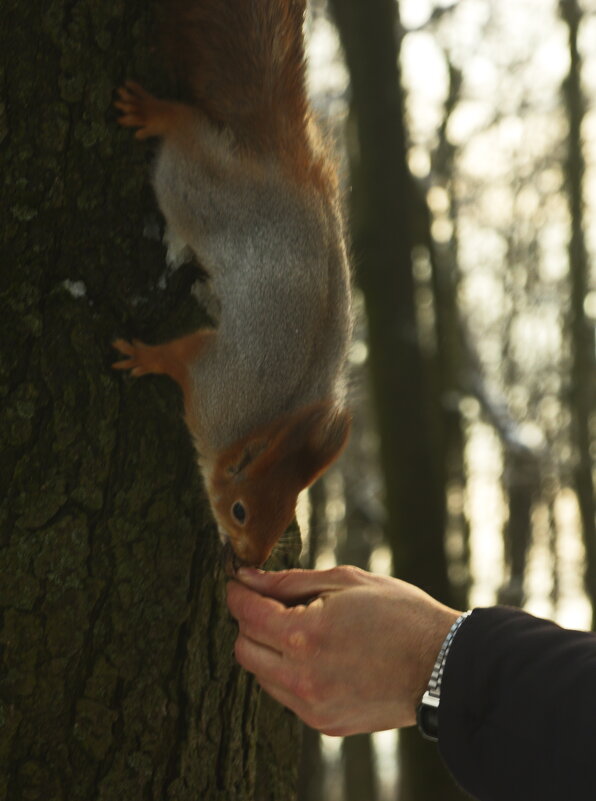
(427, 718)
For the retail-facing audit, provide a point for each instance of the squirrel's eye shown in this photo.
(239, 512)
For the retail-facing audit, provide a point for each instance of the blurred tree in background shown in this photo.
(582, 380)
(470, 138)
(386, 215)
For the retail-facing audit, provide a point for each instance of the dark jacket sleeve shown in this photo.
(517, 719)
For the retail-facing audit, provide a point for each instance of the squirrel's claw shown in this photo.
(133, 362)
(136, 89)
(170, 358)
(125, 347)
(140, 110)
(142, 358)
(152, 116)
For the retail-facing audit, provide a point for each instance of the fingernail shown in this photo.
(248, 572)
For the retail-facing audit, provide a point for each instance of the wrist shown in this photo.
(428, 706)
(437, 629)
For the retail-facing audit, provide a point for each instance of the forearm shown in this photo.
(517, 719)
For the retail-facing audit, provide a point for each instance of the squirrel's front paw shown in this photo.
(142, 110)
(139, 361)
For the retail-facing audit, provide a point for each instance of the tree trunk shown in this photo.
(522, 483)
(117, 678)
(311, 775)
(359, 768)
(450, 357)
(312, 769)
(583, 363)
(355, 547)
(382, 211)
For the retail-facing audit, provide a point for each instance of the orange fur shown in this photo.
(285, 456)
(245, 184)
(245, 69)
(305, 442)
(172, 358)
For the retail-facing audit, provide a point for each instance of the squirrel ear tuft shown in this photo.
(319, 436)
(294, 449)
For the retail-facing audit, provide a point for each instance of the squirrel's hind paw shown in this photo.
(153, 117)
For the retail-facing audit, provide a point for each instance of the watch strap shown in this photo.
(427, 711)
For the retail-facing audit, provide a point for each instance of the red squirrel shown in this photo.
(244, 181)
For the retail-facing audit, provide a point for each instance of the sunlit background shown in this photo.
(488, 132)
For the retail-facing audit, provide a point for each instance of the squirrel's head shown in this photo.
(254, 485)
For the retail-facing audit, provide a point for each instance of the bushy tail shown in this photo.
(243, 62)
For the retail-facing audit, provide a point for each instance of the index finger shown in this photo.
(262, 619)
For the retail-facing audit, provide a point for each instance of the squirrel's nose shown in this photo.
(248, 553)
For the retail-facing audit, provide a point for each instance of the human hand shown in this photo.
(357, 658)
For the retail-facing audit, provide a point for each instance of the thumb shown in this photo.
(293, 586)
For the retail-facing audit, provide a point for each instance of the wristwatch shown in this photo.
(427, 712)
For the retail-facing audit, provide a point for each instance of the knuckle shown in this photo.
(255, 616)
(244, 607)
(347, 574)
(304, 689)
(233, 598)
(309, 690)
(283, 577)
(301, 643)
(239, 649)
(353, 574)
(242, 652)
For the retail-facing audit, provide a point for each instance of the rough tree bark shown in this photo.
(117, 678)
